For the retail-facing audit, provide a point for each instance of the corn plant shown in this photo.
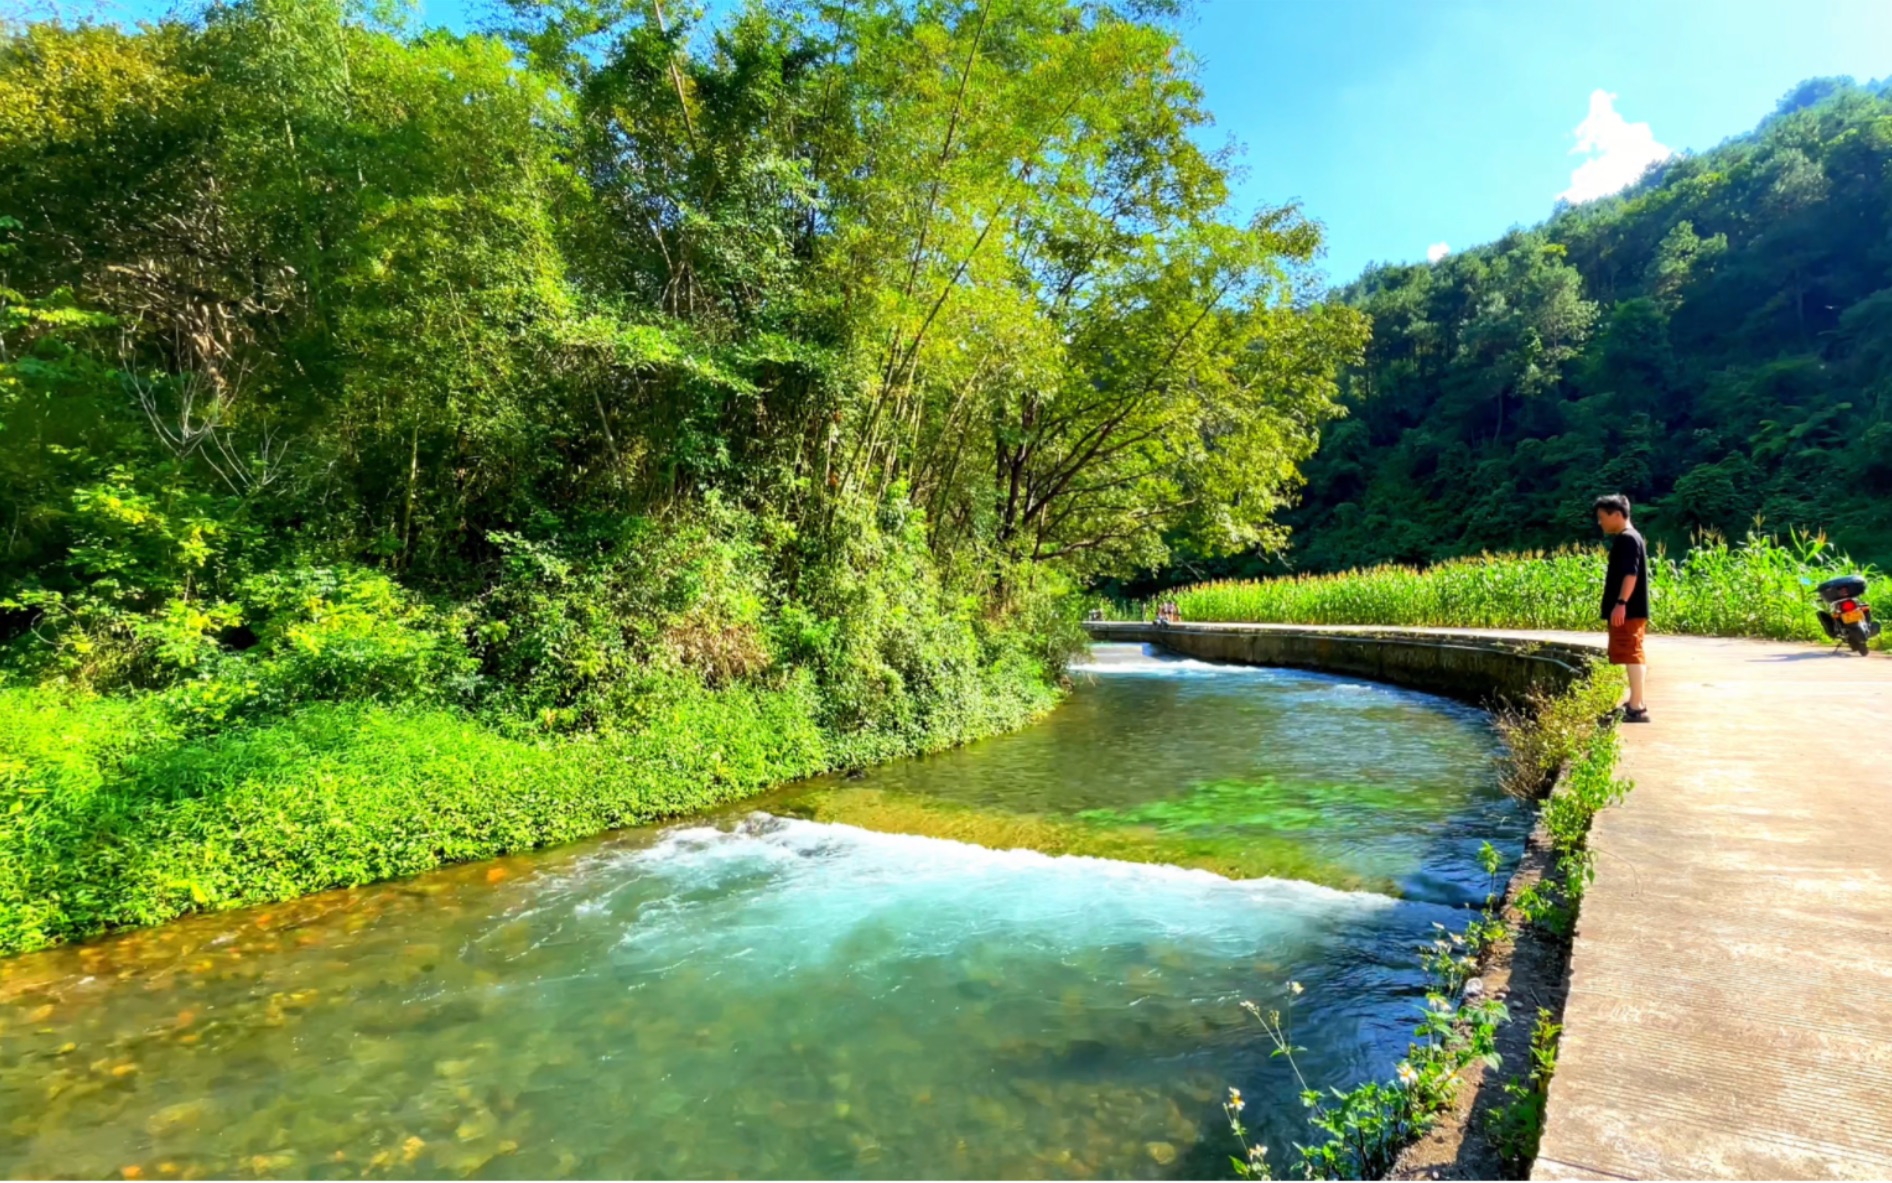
(1759, 587)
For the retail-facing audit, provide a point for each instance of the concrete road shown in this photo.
(1730, 1011)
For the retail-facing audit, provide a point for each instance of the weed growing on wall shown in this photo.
(1366, 1127)
(1589, 787)
(1548, 731)
(1516, 1126)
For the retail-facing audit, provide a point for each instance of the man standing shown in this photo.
(1626, 598)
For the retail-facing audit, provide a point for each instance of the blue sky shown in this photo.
(1403, 124)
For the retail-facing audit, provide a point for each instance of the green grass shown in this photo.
(1762, 587)
(114, 814)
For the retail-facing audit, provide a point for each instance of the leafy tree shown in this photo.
(356, 293)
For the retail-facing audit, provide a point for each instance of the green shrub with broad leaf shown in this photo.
(200, 734)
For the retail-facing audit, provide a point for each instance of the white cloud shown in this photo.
(1618, 151)
(1437, 251)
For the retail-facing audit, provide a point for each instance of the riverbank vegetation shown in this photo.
(421, 446)
(1759, 587)
(1530, 931)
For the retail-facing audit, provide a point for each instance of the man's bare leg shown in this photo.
(1635, 687)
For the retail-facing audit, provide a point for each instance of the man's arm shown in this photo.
(1620, 612)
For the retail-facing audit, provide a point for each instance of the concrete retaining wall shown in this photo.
(1484, 669)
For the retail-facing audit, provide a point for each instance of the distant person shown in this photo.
(1626, 598)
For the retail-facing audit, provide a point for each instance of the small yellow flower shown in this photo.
(1235, 1098)
(1406, 1074)
(1294, 987)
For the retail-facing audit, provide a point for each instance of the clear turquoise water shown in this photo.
(1263, 772)
(767, 995)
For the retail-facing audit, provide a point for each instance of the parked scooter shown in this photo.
(1846, 617)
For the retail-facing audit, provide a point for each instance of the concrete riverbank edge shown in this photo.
(1475, 668)
(1529, 971)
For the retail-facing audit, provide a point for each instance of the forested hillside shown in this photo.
(1716, 342)
(721, 404)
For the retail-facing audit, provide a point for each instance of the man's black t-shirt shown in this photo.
(1628, 556)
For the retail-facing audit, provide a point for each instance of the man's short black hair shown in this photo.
(1614, 503)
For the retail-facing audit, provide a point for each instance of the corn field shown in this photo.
(1760, 587)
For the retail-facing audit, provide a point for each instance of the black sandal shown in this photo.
(1632, 715)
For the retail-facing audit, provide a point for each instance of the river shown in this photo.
(1021, 958)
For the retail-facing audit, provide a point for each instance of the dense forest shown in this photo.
(415, 446)
(1716, 342)
(898, 300)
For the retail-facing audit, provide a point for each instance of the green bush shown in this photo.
(904, 663)
(340, 634)
(110, 820)
(577, 625)
(137, 600)
(59, 758)
(639, 671)
(343, 633)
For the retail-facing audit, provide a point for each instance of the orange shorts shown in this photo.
(1626, 643)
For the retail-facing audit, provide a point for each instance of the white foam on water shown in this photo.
(798, 894)
(1118, 657)
(918, 856)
